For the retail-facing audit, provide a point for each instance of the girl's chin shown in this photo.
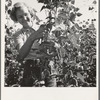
(27, 25)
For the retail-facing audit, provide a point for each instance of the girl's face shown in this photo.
(24, 18)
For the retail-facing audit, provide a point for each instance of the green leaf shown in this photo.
(40, 1)
(67, 0)
(43, 7)
(57, 33)
(72, 16)
(62, 52)
(87, 23)
(84, 26)
(76, 9)
(50, 17)
(48, 7)
(44, 1)
(94, 2)
(91, 8)
(78, 14)
(63, 16)
(73, 29)
(72, 1)
(77, 26)
(67, 22)
(91, 27)
(80, 77)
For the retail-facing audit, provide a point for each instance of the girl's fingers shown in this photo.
(40, 32)
(39, 35)
(43, 27)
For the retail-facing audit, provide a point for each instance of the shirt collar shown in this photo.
(28, 29)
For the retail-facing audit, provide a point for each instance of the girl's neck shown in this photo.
(28, 28)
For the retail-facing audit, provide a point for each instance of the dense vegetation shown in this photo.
(70, 47)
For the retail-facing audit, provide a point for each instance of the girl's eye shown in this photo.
(26, 14)
(19, 17)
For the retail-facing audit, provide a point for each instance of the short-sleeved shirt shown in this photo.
(21, 36)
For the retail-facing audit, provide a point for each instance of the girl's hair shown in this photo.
(18, 6)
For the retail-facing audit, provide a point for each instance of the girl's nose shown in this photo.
(24, 17)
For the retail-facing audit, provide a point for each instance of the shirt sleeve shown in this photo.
(18, 40)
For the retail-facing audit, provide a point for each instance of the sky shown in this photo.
(82, 4)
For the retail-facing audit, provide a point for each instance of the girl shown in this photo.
(27, 42)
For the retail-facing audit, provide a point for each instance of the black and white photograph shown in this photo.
(50, 43)
(49, 49)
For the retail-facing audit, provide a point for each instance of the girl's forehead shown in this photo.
(23, 9)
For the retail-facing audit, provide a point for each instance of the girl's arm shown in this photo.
(24, 50)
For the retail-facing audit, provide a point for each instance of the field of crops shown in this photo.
(69, 49)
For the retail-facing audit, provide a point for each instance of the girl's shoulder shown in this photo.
(17, 33)
(22, 32)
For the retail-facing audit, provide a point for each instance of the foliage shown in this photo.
(70, 47)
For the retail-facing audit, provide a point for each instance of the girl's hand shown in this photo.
(39, 33)
(42, 28)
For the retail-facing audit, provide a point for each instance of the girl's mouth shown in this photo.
(28, 19)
